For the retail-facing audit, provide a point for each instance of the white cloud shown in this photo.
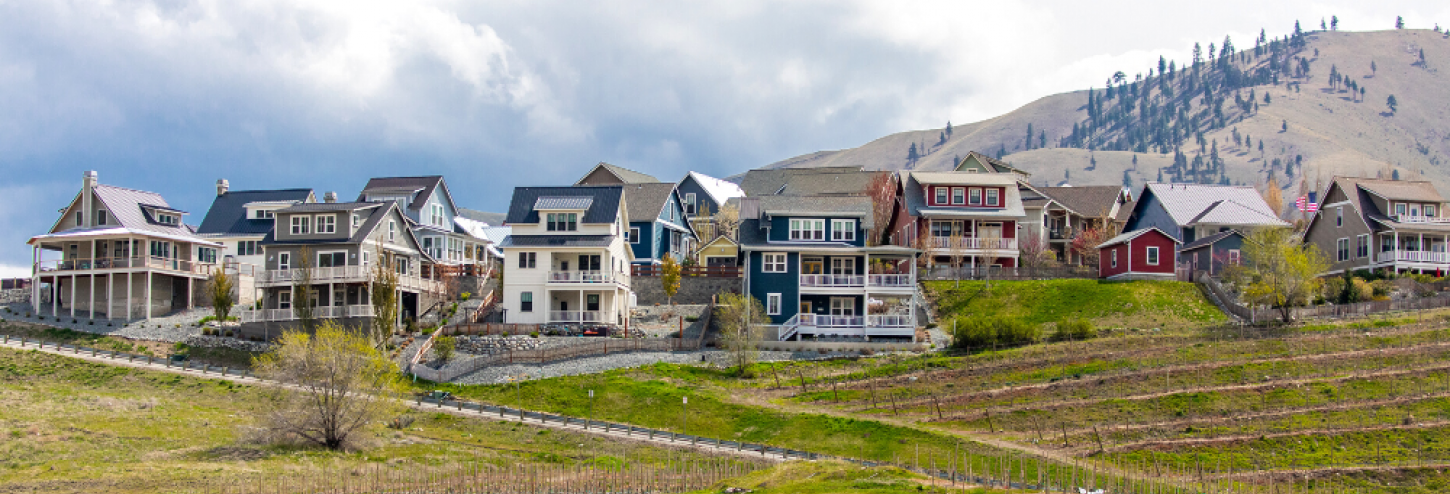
(9, 271)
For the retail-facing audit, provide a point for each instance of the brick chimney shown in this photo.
(221, 187)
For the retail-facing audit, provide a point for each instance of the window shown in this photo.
(1152, 256)
(356, 221)
(1234, 257)
(843, 230)
(1115, 258)
(773, 262)
(402, 265)
(331, 259)
(975, 197)
(284, 300)
(101, 218)
(690, 203)
(812, 265)
(392, 230)
(942, 229)
(807, 229)
(1339, 217)
(206, 255)
(326, 223)
(526, 302)
(633, 237)
(772, 304)
(437, 217)
(247, 248)
(366, 261)
(941, 195)
(992, 198)
(527, 260)
(1399, 209)
(166, 219)
(959, 195)
(80, 218)
(161, 249)
(299, 225)
(1361, 246)
(1429, 210)
(284, 260)
(1341, 250)
(591, 302)
(563, 222)
(1387, 244)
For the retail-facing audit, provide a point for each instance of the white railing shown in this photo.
(1405, 218)
(825, 321)
(890, 321)
(832, 280)
(789, 328)
(580, 277)
(317, 312)
(975, 243)
(1415, 256)
(344, 274)
(893, 280)
(593, 316)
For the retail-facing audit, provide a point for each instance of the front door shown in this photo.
(806, 306)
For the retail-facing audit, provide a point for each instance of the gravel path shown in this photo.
(157, 329)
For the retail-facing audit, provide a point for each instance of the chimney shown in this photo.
(88, 186)
(221, 187)
(330, 197)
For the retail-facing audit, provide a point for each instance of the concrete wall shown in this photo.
(693, 290)
(162, 295)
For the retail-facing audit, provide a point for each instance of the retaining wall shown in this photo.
(693, 290)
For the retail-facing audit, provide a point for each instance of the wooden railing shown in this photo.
(699, 271)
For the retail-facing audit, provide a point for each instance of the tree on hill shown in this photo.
(1127, 180)
(1393, 104)
(1399, 22)
(949, 128)
(941, 138)
(1373, 70)
(1041, 139)
(742, 320)
(1321, 24)
(1283, 126)
(1334, 23)
(1002, 151)
(1027, 143)
(912, 154)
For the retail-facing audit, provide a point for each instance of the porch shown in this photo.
(584, 306)
(1416, 252)
(575, 268)
(826, 273)
(860, 316)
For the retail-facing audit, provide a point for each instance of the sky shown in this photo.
(171, 95)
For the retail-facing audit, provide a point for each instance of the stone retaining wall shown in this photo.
(15, 296)
(693, 290)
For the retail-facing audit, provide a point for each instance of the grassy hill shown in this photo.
(1335, 134)
(1136, 304)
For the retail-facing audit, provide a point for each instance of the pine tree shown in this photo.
(1393, 104)
(1197, 54)
(1373, 70)
(1399, 22)
(1283, 127)
(941, 138)
(1321, 24)
(1266, 98)
(1002, 151)
(1160, 175)
(912, 154)
(1127, 180)
(949, 128)
(1027, 143)
(1041, 139)
(1334, 23)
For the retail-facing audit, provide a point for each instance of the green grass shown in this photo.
(835, 477)
(1133, 304)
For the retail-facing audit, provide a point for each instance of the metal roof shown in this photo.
(1209, 240)
(603, 207)
(1184, 202)
(493, 219)
(1233, 213)
(127, 207)
(554, 203)
(425, 187)
(720, 190)
(323, 207)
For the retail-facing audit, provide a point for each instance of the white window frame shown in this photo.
(690, 203)
(301, 224)
(993, 197)
(634, 235)
(774, 262)
(843, 230)
(772, 304)
(1361, 246)
(1399, 209)
(284, 260)
(959, 196)
(284, 300)
(974, 196)
(1430, 210)
(326, 223)
(1341, 249)
(808, 229)
(1114, 256)
(437, 214)
(1152, 258)
(942, 195)
(392, 230)
(318, 262)
(1235, 257)
(102, 219)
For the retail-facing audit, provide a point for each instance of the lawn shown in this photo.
(1131, 304)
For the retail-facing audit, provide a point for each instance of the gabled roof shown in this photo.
(1402, 190)
(1125, 237)
(1095, 201)
(1186, 202)
(424, 186)
(603, 207)
(493, 219)
(1210, 240)
(1233, 213)
(965, 178)
(839, 180)
(646, 202)
(624, 175)
(228, 212)
(128, 207)
(999, 165)
(323, 207)
(375, 213)
(720, 190)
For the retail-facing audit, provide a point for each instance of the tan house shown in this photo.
(1367, 223)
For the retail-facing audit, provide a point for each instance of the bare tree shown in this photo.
(341, 383)
(993, 247)
(727, 221)
(956, 251)
(882, 191)
(742, 322)
(1035, 251)
(302, 307)
(219, 290)
(383, 293)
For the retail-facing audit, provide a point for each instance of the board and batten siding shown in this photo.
(786, 284)
(1326, 231)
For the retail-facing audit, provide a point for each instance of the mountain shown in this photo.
(1304, 118)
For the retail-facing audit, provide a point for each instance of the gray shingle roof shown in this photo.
(602, 209)
(1209, 240)
(493, 219)
(646, 202)
(228, 212)
(1184, 202)
(854, 206)
(1403, 190)
(806, 181)
(625, 175)
(556, 241)
(322, 207)
(546, 203)
(1095, 201)
(426, 185)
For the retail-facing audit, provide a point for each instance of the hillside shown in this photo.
(1334, 132)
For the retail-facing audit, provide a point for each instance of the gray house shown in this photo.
(432, 215)
(1188, 212)
(1382, 224)
(240, 219)
(337, 246)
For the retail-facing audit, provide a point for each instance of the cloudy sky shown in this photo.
(170, 95)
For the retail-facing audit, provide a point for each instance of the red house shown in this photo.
(1146, 253)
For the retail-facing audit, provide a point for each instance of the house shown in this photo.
(657, 223)
(807, 261)
(974, 216)
(566, 260)
(704, 195)
(975, 162)
(241, 218)
(607, 174)
(1140, 254)
(333, 249)
(824, 181)
(1079, 208)
(119, 253)
(721, 252)
(1382, 224)
(1188, 212)
(1212, 253)
(428, 204)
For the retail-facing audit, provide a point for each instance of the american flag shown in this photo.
(1306, 204)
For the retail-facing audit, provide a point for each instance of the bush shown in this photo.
(993, 332)
(1074, 329)
(465, 296)
(443, 348)
(534, 334)
(692, 318)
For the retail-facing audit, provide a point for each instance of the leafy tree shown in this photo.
(1085, 243)
(742, 320)
(1334, 22)
(1273, 196)
(1399, 22)
(1393, 104)
(670, 277)
(340, 383)
(219, 290)
(383, 293)
(1284, 271)
(443, 348)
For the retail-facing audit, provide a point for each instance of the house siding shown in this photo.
(1150, 213)
(1133, 256)
(704, 204)
(1323, 232)
(1211, 258)
(787, 284)
(780, 228)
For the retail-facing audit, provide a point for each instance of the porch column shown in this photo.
(35, 278)
(129, 310)
(581, 306)
(110, 296)
(148, 295)
(93, 292)
(73, 280)
(55, 296)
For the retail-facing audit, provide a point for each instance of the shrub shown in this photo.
(534, 334)
(1074, 329)
(692, 318)
(465, 296)
(228, 333)
(993, 332)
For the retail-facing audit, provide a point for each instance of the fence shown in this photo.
(1228, 301)
(699, 271)
(1008, 274)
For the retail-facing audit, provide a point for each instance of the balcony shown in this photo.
(1404, 218)
(974, 243)
(832, 281)
(278, 315)
(140, 262)
(1420, 256)
(576, 316)
(872, 325)
(891, 280)
(581, 277)
(343, 274)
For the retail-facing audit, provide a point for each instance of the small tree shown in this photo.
(670, 277)
(1035, 251)
(1285, 272)
(219, 288)
(1274, 197)
(727, 221)
(443, 348)
(1393, 104)
(741, 319)
(302, 307)
(956, 251)
(383, 293)
(340, 384)
(1085, 243)
(882, 191)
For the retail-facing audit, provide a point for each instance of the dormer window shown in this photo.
(562, 222)
(166, 219)
(264, 214)
(437, 217)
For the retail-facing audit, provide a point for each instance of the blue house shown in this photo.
(807, 261)
(657, 223)
(703, 195)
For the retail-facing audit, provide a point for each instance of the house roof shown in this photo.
(323, 207)
(1096, 201)
(493, 219)
(1233, 213)
(128, 207)
(623, 174)
(964, 178)
(1001, 166)
(375, 211)
(1185, 202)
(1125, 237)
(556, 241)
(424, 186)
(228, 212)
(1402, 190)
(914, 192)
(1125, 211)
(555, 203)
(852, 206)
(604, 202)
(838, 180)
(720, 190)
(1210, 240)
(646, 202)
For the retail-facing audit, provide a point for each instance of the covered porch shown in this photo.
(586, 306)
(117, 274)
(1413, 251)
